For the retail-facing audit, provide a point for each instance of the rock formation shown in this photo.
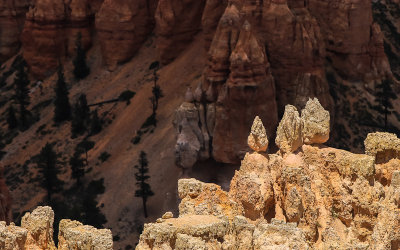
(36, 232)
(315, 123)
(258, 139)
(289, 132)
(382, 146)
(176, 24)
(315, 197)
(122, 27)
(12, 17)
(50, 33)
(353, 41)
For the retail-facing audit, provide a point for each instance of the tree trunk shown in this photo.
(144, 208)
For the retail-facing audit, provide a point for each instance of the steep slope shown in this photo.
(123, 211)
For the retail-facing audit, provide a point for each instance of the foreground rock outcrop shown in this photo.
(305, 196)
(36, 232)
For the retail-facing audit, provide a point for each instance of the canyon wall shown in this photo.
(298, 39)
(122, 27)
(50, 33)
(304, 196)
(12, 18)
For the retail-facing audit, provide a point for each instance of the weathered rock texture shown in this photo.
(12, 17)
(122, 27)
(258, 139)
(278, 49)
(354, 42)
(50, 33)
(316, 197)
(36, 232)
(176, 24)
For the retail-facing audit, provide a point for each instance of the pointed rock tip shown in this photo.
(258, 139)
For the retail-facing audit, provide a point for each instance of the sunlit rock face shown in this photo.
(305, 196)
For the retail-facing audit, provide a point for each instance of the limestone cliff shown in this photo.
(304, 196)
(36, 232)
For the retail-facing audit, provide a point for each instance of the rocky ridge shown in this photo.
(265, 54)
(36, 232)
(304, 196)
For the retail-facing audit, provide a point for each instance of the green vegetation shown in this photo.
(81, 70)
(48, 165)
(383, 97)
(126, 96)
(62, 111)
(21, 96)
(144, 190)
(80, 116)
(104, 156)
(95, 123)
(11, 118)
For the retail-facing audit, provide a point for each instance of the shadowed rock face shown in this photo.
(176, 23)
(123, 26)
(50, 32)
(316, 197)
(12, 17)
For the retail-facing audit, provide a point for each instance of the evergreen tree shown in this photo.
(156, 91)
(11, 118)
(21, 96)
(77, 166)
(62, 111)
(141, 176)
(47, 164)
(95, 123)
(80, 116)
(81, 70)
(383, 99)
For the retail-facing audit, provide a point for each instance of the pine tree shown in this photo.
(47, 164)
(383, 98)
(95, 123)
(77, 166)
(156, 91)
(21, 96)
(62, 111)
(141, 176)
(81, 70)
(80, 116)
(11, 118)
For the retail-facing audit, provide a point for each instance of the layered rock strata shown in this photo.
(176, 24)
(50, 33)
(12, 18)
(36, 232)
(122, 27)
(313, 197)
